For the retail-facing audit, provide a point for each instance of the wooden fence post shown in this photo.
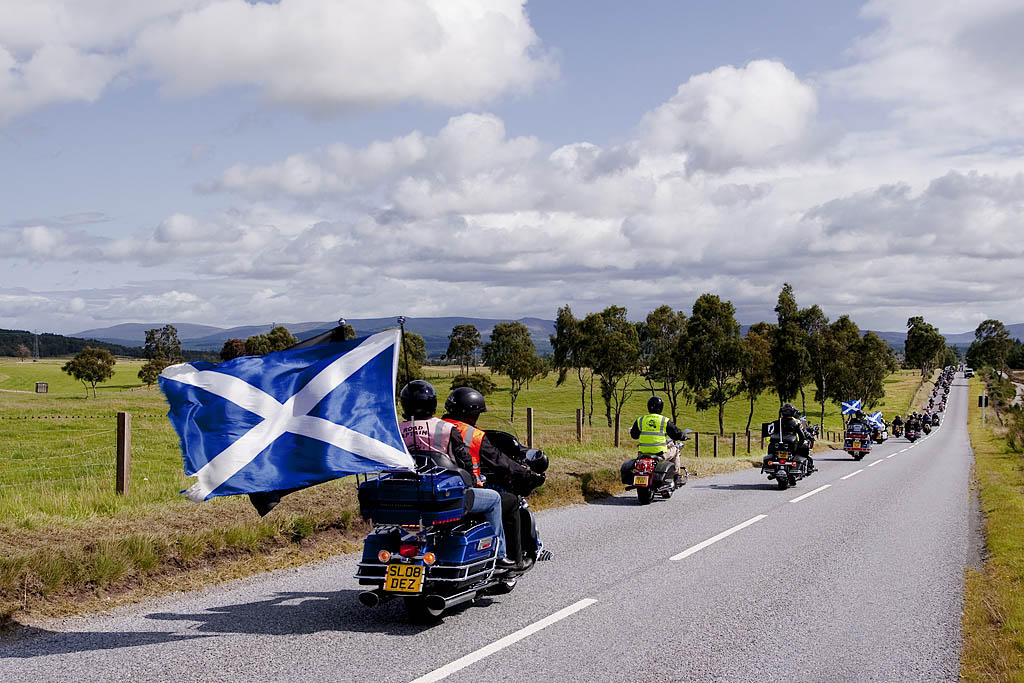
(714, 446)
(579, 425)
(124, 452)
(696, 444)
(762, 441)
(748, 442)
(616, 431)
(734, 444)
(529, 427)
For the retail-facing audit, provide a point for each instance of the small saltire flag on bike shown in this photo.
(288, 419)
(876, 419)
(850, 407)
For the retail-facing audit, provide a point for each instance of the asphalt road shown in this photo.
(731, 579)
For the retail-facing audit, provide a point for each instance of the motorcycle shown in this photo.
(935, 421)
(426, 549)
(912, 434)
(783, 464)
(857, 440)
(897, 431)
(927, 429)
(651, 475)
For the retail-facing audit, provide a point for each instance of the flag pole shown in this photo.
(405, 350)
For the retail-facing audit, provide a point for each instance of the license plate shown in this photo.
(640, 481)
(404, 578)
(856, 444)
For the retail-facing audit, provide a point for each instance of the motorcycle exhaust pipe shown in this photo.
(374, 597)
(440, 603)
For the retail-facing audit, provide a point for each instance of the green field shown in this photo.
(68, 542)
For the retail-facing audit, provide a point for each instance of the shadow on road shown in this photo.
(629, 500)
(298, 613)
(738, 487)
(37, 642)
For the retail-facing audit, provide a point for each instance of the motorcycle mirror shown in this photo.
(687, 431)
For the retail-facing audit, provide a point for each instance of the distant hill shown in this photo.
(434, 331)
(55, 345)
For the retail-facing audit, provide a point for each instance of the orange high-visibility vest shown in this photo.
(473, 438)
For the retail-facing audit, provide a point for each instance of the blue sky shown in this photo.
(486, 158)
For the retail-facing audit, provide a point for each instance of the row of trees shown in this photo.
(703, 358)
(992, 347)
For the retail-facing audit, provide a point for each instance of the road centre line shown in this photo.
(891, 456)
(875, 463)
(853, 474)
(715, 539)
(811, 493)
(498, 645)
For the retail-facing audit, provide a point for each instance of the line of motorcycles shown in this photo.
(425, 549)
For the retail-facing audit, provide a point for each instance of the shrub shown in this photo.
(477, 380)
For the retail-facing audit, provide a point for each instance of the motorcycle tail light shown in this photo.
(409, 549)
(429, 558)
(384, 556)
(644, 465)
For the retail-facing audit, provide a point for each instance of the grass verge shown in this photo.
(993, 620)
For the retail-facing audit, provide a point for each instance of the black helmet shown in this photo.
(536, 460)
(655, 404)
(465, 402)
(788, 410)
(419, 400)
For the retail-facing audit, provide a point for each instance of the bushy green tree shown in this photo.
(714, 351)
(924, 344)
(162, 348)
(411, 358)
(233, 348)
(477, 380)
(614, 355)
(511, 352)
(570, 352)
(991, 346)
(789, 348)
(661, 362)
(462, 344)
(756, 371)
(90, 367)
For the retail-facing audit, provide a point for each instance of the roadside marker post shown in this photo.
(579, 425)
(529, 427)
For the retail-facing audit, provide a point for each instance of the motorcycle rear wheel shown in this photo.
(783, 482)
(644, 496)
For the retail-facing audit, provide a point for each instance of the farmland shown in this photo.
(68, 542)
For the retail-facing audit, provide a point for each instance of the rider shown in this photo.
(462, 410)
(655, 433)
(441, 442)
(790, 424)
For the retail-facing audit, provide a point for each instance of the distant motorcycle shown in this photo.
(897, 431)
(912, 434)
(651, 475)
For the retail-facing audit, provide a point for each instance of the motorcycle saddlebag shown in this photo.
(664, 469)
(401, 497)
(626, 471)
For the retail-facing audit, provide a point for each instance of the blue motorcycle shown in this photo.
(424, 547)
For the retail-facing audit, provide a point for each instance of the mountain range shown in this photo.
(434, 331)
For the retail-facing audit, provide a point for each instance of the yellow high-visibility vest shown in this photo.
(653, 438)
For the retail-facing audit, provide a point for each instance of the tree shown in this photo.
(278, 339)
(875, 360)
(714, 352)
(162, 349)
(233, 348)
(824, 355)
(511, 352)
(613, 352)
(661, 363)
(90, 367)
(570, 349)
(924, 344)
(462, 344)
(991, 346)
(789, 348)
(756, 371)
(477, 380)
(23, 352)
(1016, 357)
(411, 358)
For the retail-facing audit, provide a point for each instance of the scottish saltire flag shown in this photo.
(288, 419)
(875, 418)
(851, 407)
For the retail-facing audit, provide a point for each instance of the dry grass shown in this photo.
(993, 620)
